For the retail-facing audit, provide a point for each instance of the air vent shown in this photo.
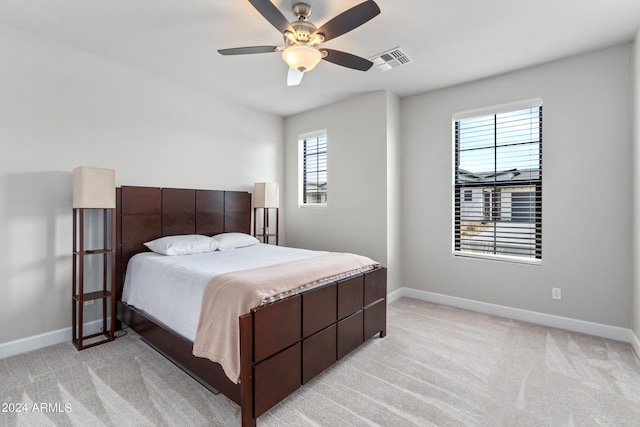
(390, 59)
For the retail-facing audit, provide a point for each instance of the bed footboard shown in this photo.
(287, 343)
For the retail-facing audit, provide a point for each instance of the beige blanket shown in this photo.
(230, 295)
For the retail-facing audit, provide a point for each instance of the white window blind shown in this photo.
(498, 184)
(313, 169)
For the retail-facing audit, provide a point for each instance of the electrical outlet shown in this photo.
(90, 302)
(556, 293)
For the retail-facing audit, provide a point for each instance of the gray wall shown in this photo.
(62, 108)
(394, 194)
(355, 218)
(587, 191)
(390, 176)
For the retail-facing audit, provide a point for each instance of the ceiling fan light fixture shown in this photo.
(301, 57)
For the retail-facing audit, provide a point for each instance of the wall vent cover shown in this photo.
(390, 59)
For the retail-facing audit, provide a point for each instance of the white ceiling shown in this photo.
(450, 41)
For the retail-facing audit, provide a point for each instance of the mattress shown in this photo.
(169, 289)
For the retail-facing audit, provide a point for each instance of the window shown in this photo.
(498, 183)
(312, 183)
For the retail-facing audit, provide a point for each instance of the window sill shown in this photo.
(316, 205)
(499, 258)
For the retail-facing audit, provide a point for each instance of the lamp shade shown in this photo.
(266, 195)
(94, 188)
(301, 57)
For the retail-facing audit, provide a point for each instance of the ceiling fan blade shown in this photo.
(349, 19)
(272, 14)
(248, 50)
(294, 77)
(347, 60)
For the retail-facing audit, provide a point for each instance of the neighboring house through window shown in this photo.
(312, 169)
(498, 182)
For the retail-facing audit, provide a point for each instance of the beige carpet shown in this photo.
(438, 365)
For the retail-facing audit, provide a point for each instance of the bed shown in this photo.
(284, 343)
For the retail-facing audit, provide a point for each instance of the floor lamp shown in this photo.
(266, 196)
(94, 190)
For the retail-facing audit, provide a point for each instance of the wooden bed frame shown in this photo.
(283, 344)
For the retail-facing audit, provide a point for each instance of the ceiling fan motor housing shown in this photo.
(304, 31)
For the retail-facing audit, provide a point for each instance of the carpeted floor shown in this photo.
(438, 365)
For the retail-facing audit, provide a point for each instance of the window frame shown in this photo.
(456, 216)
(302, 140)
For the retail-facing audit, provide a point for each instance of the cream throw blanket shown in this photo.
(230, 295)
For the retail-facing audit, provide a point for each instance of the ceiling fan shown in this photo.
(302, 39)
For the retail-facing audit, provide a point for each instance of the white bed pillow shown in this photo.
(228, 241)
(187, 244)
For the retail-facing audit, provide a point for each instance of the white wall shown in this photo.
(587, 191)
(63, 108)
(636, 216)
(355, 218)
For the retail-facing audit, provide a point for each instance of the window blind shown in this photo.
(314, 170)
(498, 184)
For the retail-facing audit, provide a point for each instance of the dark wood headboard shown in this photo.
(147, 213)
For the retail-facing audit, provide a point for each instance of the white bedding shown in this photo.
(170, 288)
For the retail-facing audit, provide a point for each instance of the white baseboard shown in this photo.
(635, 343)
(590, 328)
(395, 295)
(35, 342)
(612, 332)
